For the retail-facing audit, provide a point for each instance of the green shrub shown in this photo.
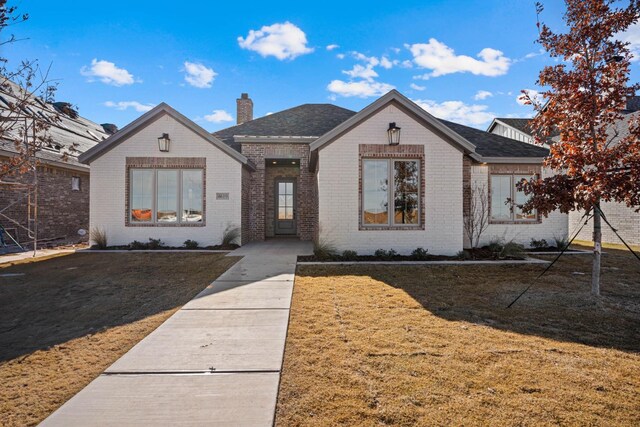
(380, 253)
(512, 250)
(392, 254)
(191, 244)
(349, 255)
(231, 235)
(539, 244)
(495, 246)
(99, 238)
(324, 249)
(420, 254)
(135, 245)
(155, 243)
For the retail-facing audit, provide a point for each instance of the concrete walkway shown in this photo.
(217, 361)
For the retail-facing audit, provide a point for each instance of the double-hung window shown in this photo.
(390, 192)
(506, 199)
(166, 196)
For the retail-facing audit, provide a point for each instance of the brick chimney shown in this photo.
(245, 109)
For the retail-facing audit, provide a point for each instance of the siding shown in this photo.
(338, 198)
(223, 175)
(548, 228)
(509, 132)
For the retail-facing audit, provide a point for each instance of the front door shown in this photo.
(285, 206)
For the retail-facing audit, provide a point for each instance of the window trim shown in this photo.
(512, 219)
(390, 225)
(177, 163)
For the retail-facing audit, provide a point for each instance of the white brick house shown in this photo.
(316, 171)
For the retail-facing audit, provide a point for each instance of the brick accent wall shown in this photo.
(246, 201)
(244, 106)
(61, 211)
(257, 194)
(466, 185)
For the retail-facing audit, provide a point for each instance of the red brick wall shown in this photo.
(259, 198)
(61, 211)
(246, 201)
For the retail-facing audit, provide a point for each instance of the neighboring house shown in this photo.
(625, 219)
(316, 171)
(63, 183)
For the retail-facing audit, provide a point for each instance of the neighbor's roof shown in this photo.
(520, 124)
(491, 145)
(307, 120)
(66, 127)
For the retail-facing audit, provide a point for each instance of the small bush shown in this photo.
(324, 249)
(495, 246)
(135, 245)
(349, 255)
(420, 254)
(155, 243)
(392, 254)
(380, 253)
(231, 235)
(539, 244)
(464, 255)
(99, 238)
(190, 244)
(512, 250)
(561, 242)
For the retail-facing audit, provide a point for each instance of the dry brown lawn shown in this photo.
(426, 345)
(68, 318)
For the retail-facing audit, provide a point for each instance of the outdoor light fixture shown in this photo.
(163, 143)
(394, 134)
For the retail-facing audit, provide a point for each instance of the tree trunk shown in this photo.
(597, 248)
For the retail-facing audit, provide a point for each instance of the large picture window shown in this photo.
(506, 199)
(388, 204)
(166, 196)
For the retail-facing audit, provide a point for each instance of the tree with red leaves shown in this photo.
(585, 95)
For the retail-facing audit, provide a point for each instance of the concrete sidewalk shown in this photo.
(217, 361)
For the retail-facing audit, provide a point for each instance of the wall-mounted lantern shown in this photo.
(394, 134)
(164, 142)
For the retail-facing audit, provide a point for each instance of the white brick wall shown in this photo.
(107, 197)
(553, 226)
(338, 190)
(622, 217)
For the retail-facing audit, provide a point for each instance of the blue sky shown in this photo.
(465, 61)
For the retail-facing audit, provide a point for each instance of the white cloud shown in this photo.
(340, 56)
(198, 75)
(631, 36)
(123, 105)
(482, 94)
(218, 116)
(457, 111)
(361, 89)
(386, 63)
(417, 87)
(332, 47)
(533, 94)
(442, 60)
(108, 73)
(358, 71)
(283, 41)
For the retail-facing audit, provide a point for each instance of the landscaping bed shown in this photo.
(436, 345)
(66, 319)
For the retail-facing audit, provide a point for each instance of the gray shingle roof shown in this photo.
(303, 120)
(491, 145)
(66, 128)
(318, 119)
